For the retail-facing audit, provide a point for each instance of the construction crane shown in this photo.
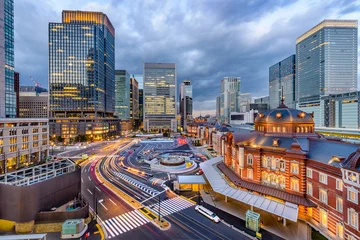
(37, 85)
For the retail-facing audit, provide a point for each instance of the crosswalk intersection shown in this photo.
(170, 206)
(151, 191)
(125, 222)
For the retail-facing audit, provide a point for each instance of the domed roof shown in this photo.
(283, 114)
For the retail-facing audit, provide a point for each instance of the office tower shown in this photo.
(140, 79)
(134, 102)
(7, 92)
(217, 107)
(229, 92)
(33, 89)
(244, 100)
(160, 97)
(82, 76)
(17, 91)
(122, 94)
(186, 103)
(282, 77)
(141, 107)
(326, 62)
(33, 105)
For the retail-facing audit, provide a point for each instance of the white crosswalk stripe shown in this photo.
(170, 206)
(124, 222)
(151, 191)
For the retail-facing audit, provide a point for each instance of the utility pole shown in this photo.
(159, 208)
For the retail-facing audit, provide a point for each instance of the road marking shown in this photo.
(89, 191)
(89, 178)
(98, 189)
(85, 170)
(112, 201)
(101, 202)
(82, 180)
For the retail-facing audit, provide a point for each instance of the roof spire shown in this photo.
(282, 105)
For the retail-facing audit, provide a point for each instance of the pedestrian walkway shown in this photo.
(170, 206)
(124, 223)
(140, 185)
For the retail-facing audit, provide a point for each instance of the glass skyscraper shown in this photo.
(122, 94)
(282, 76)
(326, 62)
(229, 93)
(160, 96)
(7, 91)
(82, 71)
(186, 102)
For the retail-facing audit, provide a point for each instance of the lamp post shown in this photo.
(159, 208)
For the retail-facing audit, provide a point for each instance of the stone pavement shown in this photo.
(293, 231)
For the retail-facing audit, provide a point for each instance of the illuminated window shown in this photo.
(339, 184)
(264, 162)
(323, 178)
(294, 184)
(323, 217)
(282, 165)
(353, 218)
(323, 196)
(309, 189)
(250, 173)
(340, 230)
(352, 195)
(339, 204)
(294, 168)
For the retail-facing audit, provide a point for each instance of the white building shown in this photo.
(229, 93)
(243, 117)
(23, 142)
(160, 97)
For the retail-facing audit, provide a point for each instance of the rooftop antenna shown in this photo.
(282, 95)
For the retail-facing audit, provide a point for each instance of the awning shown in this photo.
(191, 179)
(220, 185)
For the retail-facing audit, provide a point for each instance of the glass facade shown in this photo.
(81, 65)
(282, 75)
(326, 60)
(7, 91)
(134, 98)
(186, 102)
(122, 94)
(160, 96)
(229, 92)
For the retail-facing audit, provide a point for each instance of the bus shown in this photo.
(207, 213)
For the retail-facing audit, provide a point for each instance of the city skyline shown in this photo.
(244, 55)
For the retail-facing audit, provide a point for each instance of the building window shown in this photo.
(294, 184)
(323, 178)
(35, 130)
(353, 218)
(250, 173)
(351, 237)
(294, 168)
(282, 165)
(339, 204)
(352, 196)
(340, 230)
(250, 159)
(309, 189)
(264, 162)
(309, 173)
(323, 195)
(323, 217)
(339, 184)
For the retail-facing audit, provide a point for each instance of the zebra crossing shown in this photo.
(170, 206)
(124, 222)
(145, 188)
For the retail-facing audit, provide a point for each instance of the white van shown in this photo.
(207, 213)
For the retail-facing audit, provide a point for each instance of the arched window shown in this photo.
(306, 129)
(284, 129)
(274, 129)
(297, 129)
(278, 129)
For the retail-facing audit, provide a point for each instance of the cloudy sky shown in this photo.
(206, 39)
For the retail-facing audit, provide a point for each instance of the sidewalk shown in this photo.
(270, 227)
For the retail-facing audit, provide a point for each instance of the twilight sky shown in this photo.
(206, 39)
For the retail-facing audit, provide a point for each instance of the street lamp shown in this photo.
(159, 208)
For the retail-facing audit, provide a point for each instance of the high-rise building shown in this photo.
(122, 94)
(82, 76)
(229, 92)
(141, 107)
(140, 79)
(244, 100)
(134, 99)
(186, 103)
(33, 105)
(282, 78)
(217, 112)
(326, 62)
(17, 91)
(160, 96)
(7, 92)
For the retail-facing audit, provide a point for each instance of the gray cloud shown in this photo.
(206, 39)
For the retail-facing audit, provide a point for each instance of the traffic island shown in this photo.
(154, 218)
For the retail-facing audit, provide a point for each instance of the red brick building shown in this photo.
(284, 159)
